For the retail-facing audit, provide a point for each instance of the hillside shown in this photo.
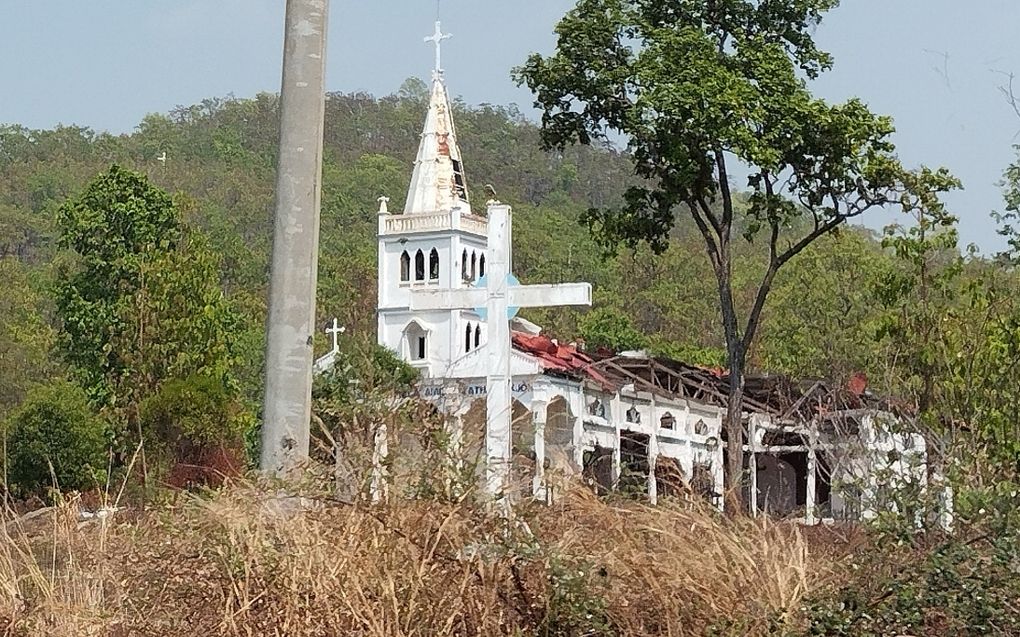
(219, 166)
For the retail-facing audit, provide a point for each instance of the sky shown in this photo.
(934, 65)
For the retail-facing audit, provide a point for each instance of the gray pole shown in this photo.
(291, 323)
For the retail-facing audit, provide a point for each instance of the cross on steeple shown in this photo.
(437, 39)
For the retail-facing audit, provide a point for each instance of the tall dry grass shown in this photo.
(246, 561)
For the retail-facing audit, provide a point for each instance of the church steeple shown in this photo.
(437, 183)
(437, 244)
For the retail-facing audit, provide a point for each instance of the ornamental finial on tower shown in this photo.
(437, 39)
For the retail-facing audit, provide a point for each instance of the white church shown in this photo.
(634, 422)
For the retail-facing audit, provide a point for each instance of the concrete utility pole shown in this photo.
(291, 323)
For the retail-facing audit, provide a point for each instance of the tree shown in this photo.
(25, 337)
(611, 329)
(55, 437)
(696, 87)
(141, 304)
(118, 224)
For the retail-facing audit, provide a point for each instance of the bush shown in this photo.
(55, 427)
(189, 415)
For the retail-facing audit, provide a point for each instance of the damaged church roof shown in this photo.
(776, 395)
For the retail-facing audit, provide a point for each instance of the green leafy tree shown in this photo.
(25, 336)
(824, 313)
(115, 227)
(611, 329)
(190, 417)
(920, 296)
(696, 87)
(142, 303)
(55, 439)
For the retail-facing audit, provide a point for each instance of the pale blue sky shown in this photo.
(106, 63)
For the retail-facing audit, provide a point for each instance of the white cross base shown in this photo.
(497, 297)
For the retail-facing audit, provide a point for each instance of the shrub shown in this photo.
(55, 427)
(190, 415)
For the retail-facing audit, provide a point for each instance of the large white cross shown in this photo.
(497, 297)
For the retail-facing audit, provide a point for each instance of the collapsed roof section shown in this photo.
(777, 396)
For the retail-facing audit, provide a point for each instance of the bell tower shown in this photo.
(435, 243)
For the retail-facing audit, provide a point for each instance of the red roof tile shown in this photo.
(556, 357)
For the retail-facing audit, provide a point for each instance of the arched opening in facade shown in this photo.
(416, 342)
(434, 265)
(405, 267)
(559, 436)
(522, 434)
(419, 266)
(667, 421)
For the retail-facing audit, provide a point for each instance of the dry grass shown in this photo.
(246, 562)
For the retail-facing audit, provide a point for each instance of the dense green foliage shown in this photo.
(194, 413)
(55, 440)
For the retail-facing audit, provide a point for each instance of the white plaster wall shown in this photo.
(446, 328)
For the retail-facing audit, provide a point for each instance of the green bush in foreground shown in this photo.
(54, 439)
(194, 413)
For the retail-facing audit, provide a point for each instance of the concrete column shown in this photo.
(498, 398)
(809, 509)
(379, 453)
(653, 455)
(291, 321)
(580, 408)
(616, 414)
(539, 413)
(752, 463)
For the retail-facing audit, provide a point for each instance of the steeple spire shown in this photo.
(437, 183)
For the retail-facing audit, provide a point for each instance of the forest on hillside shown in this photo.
(899, 306)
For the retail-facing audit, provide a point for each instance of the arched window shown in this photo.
(405, 266)
(464, 266)
(419, 266)
(667, 421)
(478, 334)
(481, 265)
(701, 428)
(633, 415)
(417, 342)
(433, 264)
(597, 408)
(467, 338)
(474, 262)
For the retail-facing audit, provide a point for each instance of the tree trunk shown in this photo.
(735, 438)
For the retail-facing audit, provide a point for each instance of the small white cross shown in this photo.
(335, 330)
(437, 39)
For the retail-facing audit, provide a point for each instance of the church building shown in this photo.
(633, 422)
